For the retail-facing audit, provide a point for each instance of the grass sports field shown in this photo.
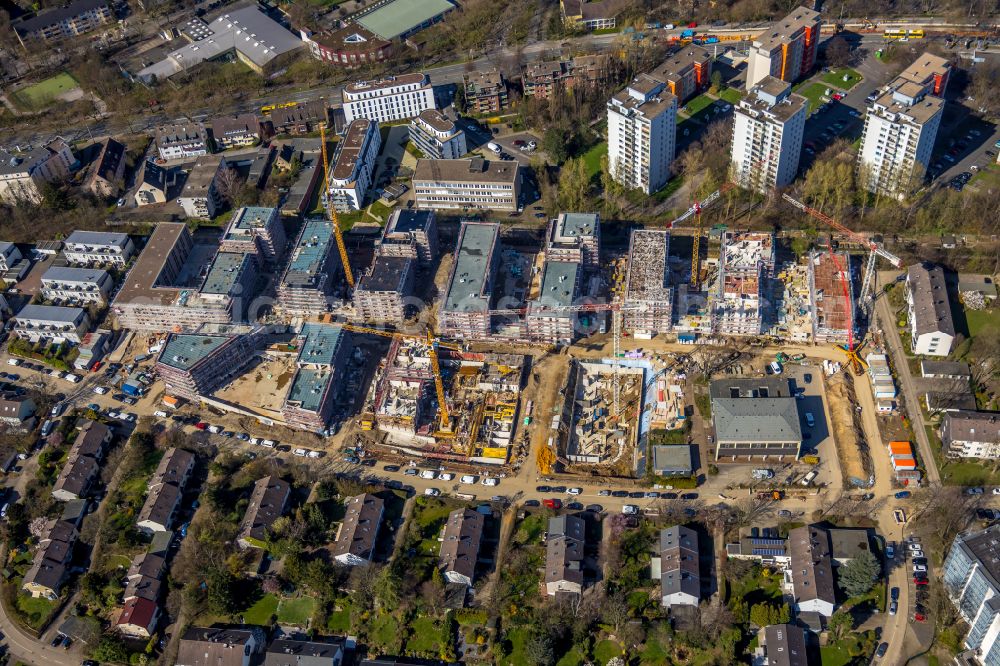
(42, 93)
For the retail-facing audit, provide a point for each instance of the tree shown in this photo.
(838, 52)
(387, 587)
(539, 650)
(554, 144)
(840, 624)
(857, 576)
(615, 610)
(222, 594)
(110, 649)
(716, 80)
(574, 185)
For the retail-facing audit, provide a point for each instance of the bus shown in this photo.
(895, 34)
(915, 34)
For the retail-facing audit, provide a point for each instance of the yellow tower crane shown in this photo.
(331, 211)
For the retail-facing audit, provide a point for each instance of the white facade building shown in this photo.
(100, 248)
(23, 174)
(9, 255)
(932, 329)
(76, 285)
(437, 136)
(642, 129)
(51, 323)
(389, 99)
(767, 135)
(181, 141)
(354, 165)
(787, 49)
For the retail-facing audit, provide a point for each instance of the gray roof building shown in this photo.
(932, 329)
(267, 503)
(846, 544)
(680, 582)
(355, 542)
(971, 434)
(811, 570)
(214, 646)
(672, 460)
(288, 652)
(945, 370)
(755, 417)
(782, 645)
(460, 545)
(564, 555)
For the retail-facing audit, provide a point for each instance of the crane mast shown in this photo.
(332, 212)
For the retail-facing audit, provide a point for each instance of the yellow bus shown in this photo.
(895, 34)
(915, 34)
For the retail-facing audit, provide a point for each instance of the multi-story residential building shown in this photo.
(467, 184)
(305, 284)
(202, 197)
(781, 645)
(195, 365)
(647, 284)
(323, 352)
(542, 79)
(153, 184)
(347, 47)
(932, 330)
(809, 575)
(166, 488)
(16, 410)
(50, 565)
(558, 287)
(686, 72)
(267, 503)
(82, 465)
(355, 542)
(236, 131)
(901, 126)
(485, 92)
(590, 14)
(182, 141)
(564, 555)
(411, 234)
(755, 417)
(138, 618)
(383, 292)
(388, 99)
(22, 175)
(51, 323)
(464, 310)
(966, 434)
(768, 126)
(76, 286)
(76, 18)
(228, 285)
(642, 128)
(256, 230)
(299, 652)
(745, 263)
(437, 136)
(98, 248)
(220, 647)
(830, 309)
(575, 237)
(354, 165)
(971, 576)
(459, 554)
(9, 256)
(301, 118)
(107, 175)
(680, 582)
(787, 50)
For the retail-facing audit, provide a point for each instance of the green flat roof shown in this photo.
(320, 345)
(473, 263)
(183, 351)
(558, 284)
(402, 16)
(308, 388)
(226, 269)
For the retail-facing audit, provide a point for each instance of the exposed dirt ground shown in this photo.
(842, 427)
(263, 387)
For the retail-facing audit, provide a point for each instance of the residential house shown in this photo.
(781, 645)
(564, 555)
(680, 582)
(24, 175)
(267, 503)
(971, 576)
(166, 488)
(354, 165)
(15, 409)
(10, 256)
(294, 652)
(969, 434)
(145, 577)
(932, 330)
(809, 575)
(211, 646)
(437, 136)
(762, 544)
(50, 565)
(236, 131)
(485, 92)
(153, 184)
(355, 542)
(98, 248)
(107, 175)
(463, 533)
(182, 141)
(203, 196)
(75, 18)
(301, 118)
(76, 286)
(51, 323)
(138, 618)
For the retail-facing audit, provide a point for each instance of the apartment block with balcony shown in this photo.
(558, 287)
(410, 233)
(966, 434)
(642, 128)
(464, 311)
(323, 353)
(77, 286)
(201, 197)
(971, 576)
(437, 136)
(22, 175)
(541, 79)
(74, 19)
(256, 230)
(195, 365)
(304, 287)
(98, 248)
(768, 127)
(486, 92)
(382, 293)
(388, 99)
(51, 323)
(354, 165)
(472, 184)
(236, 131)
(932, 329)
(787, 50)
(182, 141)
(575, 237)
(686, 73)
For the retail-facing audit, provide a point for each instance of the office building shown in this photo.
(467, 184)
(195, 365)
(932, 329)
(787, 50)
(967, 434)
(23, 175)
(768, 126)
(309, 401)
(680, 583)
(347, 47)
(901, 126)
(485, 92)
(98, 248)
(236, 131)
(564, 547)
(202, 196)
(355, 542)
(411, 234)
(182, 141)
(686, 72)
(808, 578)
(388, 99)
(383, 292)
(737, 302)
(753, 418)
(106, 176)
(51, 324)
(831, 297)
(971, 576)
(642, 128)
(464, 311)
(354, 165)
(256, 230)
(305, 285)
(437, 136)
(76, 286)
(459, 554)
(267, 503)
(74, 19)
(575, 237)
(647, 284)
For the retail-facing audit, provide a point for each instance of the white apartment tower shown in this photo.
(642, 129)
(388, 99)
(901, 126)
(767, 135)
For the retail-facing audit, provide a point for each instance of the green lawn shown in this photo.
(572, 658)
(44, 92)
(424, 636)
(517, 638)
(592, 158)
(260, 613)
(698, 104)
(296, 611)
(813, 92)
(340, 620)
(530, 530)
(731, 95)
(384, 632)
(380, 210)
(836, 78)
(833, 655)
(35, 612)
(605, 651)
(980, 319)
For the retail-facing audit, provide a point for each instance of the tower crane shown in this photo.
(433, 343)
(331, 211)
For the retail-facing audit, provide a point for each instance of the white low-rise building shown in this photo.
(76, 285)
(182, 141)
(98, 248)
(437, 136)
(354, 165)
(389, 99)
(932, 330)
(22, 175)
(51, 323)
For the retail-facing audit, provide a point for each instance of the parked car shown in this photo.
(882, 649)
(575, 491)
(432, 492)
(630, 509)
(553, 503)
(893, 607)
(974, 491)
(903, 494)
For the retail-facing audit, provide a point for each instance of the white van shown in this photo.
(468, 478)
(428, 474)
(160, 414)
(808, 479)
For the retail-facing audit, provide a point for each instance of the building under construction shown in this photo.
(596, 436)
(411, 234)
(304, 288)
(575, 237)
(323, 353)
(746, 262)
(383, 292)
(831, 297)
(647, 284)
(464, 312)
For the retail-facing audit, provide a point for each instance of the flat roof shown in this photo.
(350, 149)
(140, 283)
(202, 175)
(310, 250)
(788, 28)
(577, 224)
(473, 261)
(183, 351)
(408, 220)
(677, 64)
(672, 458)
(399, 17)
(437, 120)
(250, 218)
(920, 111)
(71, 274)
(924, 68)
(385, 274)
(97, 238)
(475, 170)
(372, 85)
(320, 343)
(227, 267)
(50, 313)
(559, 279)
(650, 108)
